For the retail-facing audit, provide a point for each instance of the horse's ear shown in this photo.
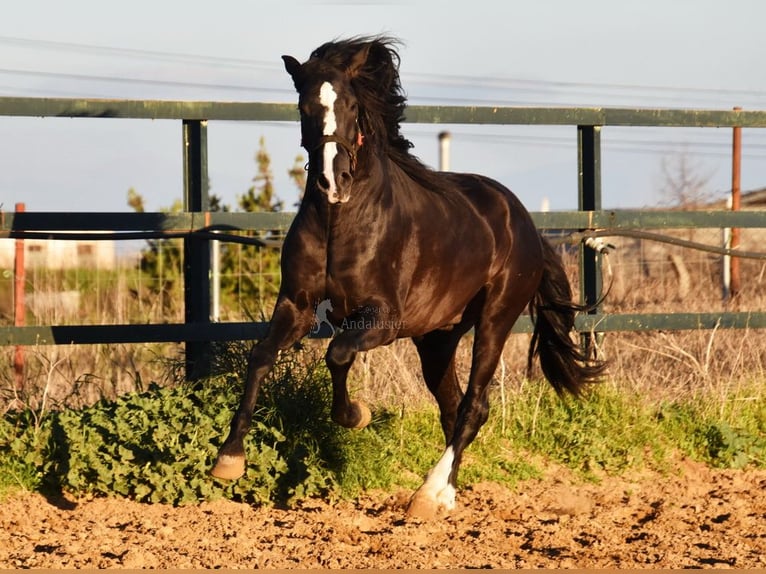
(358, 61)
(292, 66)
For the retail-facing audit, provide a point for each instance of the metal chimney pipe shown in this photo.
(444, 150)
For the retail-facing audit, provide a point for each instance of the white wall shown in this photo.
(60, 254)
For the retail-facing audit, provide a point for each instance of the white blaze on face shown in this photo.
(327, 97)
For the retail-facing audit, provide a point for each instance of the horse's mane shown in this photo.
(381, 99)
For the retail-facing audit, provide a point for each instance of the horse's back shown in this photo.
(473, 233)
(503, 211)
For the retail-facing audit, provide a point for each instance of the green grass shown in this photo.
(608, 432)
(157, 445)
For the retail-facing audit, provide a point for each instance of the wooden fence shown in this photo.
(196, 222)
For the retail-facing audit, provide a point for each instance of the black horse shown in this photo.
(393, 249)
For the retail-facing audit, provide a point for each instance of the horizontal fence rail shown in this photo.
(18, 224)
(499, 115)
(205, 332)
(197, 221)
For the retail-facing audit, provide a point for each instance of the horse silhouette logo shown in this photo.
(320, 316)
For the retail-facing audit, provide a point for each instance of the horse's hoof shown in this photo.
(228, 467)
(422, 507)
(427, 505)
(365, 416)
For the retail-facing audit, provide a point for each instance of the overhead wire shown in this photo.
(91, 49)
(545, 92)
(422, 78)
(141, 81)
(529, 84)
(718, 147)
(543, 89)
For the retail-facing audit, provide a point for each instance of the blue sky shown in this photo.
(652, 53)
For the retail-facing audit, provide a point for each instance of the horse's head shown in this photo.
(329, 111)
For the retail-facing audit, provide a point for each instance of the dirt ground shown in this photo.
(695, 517)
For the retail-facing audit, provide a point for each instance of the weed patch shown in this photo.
(157, 445)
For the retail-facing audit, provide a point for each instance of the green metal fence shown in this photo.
(198, 330)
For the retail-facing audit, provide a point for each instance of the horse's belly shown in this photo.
(426, 313)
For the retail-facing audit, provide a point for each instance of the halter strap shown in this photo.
(348, 147)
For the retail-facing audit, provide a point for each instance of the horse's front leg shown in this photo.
(290, 322)
(370, 333)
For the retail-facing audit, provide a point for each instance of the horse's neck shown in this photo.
(383, 194)
(372, 193)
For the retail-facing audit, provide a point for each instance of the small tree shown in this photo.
(685, 184)
(297, 173)
(249, 273)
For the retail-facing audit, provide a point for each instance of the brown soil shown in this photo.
(696, 517)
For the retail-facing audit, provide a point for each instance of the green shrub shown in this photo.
(730, 436)
(157, 446)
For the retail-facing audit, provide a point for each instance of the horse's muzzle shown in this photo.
(337, 170)
(339, 190)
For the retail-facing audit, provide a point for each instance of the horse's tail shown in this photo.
(565, 366)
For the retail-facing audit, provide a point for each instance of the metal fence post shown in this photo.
(589, 199)
(196, 251)
(19, 305)
(735, 277)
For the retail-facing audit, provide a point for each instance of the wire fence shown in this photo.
(650, 276)
(646, 276)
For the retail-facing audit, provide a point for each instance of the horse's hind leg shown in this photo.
(437, 359)
(440, 487)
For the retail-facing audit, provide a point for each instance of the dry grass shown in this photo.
(78, 375)
(655, 364)
(679, 365)
(658, 366)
